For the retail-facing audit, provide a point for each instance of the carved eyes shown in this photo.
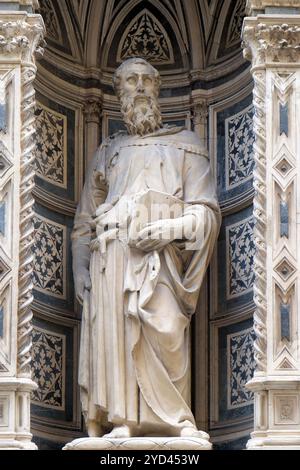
(145, 81)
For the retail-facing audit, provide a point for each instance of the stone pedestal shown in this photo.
(21, 32)
(139, 443)
(271, 41)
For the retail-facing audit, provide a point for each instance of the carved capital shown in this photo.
(92, 110)
(200, 112)
(20, 35)
(266, 42)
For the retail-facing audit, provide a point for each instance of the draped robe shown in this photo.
(134, 353)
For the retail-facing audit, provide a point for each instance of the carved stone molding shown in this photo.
(265, 42)
(260, 229)
(26, 203)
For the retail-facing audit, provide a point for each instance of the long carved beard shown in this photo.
(139, 119)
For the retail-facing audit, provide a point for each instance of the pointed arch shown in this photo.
(174, 55)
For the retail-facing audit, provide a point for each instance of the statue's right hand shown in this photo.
(82, 282)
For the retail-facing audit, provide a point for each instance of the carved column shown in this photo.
(92, 113)
(271, 41)
(20, 35)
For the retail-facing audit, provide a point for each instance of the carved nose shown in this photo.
(140, 86)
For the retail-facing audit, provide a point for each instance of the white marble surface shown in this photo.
(139, 443)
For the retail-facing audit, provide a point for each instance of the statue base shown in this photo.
(139, 443)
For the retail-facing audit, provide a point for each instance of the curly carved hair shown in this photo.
(134, 60)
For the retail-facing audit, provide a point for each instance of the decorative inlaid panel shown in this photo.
(240, 256)
(241, 365)
(51, 146)
(239, 140)
(50, 257)
(48, 365)
(146, 37)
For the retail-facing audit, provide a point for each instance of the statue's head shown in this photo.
(137, 85)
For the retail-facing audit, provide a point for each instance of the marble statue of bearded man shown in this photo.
(139, 289)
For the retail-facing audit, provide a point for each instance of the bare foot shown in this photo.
(191, 431)
(119, 432)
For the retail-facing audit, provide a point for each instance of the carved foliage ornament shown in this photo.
(48, 368)
(51, 146)
(146, 37)
(241, 367)
(275, 43)
(20, 36)
(241, 254)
